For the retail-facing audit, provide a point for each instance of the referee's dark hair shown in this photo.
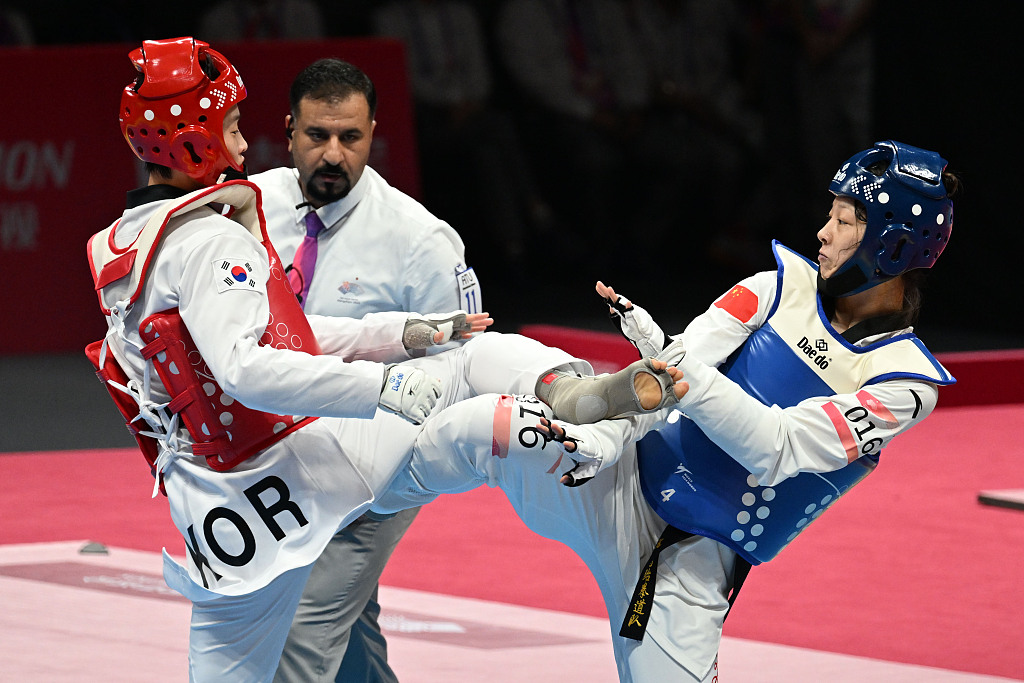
(331, 79)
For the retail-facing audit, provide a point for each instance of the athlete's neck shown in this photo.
(883, 299)
(177, 179)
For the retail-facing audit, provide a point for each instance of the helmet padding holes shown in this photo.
(186, 90)
(878, 168)
(196, 159)
(897, 251)
(209, 68)
(901, 188)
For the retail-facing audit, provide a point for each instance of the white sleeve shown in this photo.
(712, 336)
(431, 277)
(374, 337)
(430, 274)
(226, 324)
(819, 434)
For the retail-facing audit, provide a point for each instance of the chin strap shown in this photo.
(231, 173)
(842, 284)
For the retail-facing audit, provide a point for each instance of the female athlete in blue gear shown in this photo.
(795, 380)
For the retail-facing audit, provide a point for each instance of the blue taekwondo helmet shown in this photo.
(909, 215)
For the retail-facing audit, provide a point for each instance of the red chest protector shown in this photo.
(223, 430)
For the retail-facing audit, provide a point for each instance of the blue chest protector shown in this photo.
(695, 486)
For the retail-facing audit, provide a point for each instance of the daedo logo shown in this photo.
(840, 175)
(816, 352)
(687, 476)
(395, 381)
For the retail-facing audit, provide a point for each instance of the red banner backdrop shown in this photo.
(64, 167)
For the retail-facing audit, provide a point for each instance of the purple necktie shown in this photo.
(301, 273)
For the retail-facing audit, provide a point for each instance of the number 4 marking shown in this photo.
(666, 494)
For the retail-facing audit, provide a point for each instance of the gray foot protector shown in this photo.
(585, 400)
(419, 332)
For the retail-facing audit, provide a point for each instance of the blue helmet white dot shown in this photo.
(909, 214)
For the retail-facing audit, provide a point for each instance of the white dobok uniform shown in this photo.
(256, 552)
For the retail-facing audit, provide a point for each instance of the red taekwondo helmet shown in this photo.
(173, 113)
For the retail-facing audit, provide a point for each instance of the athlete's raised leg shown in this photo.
(517, 365)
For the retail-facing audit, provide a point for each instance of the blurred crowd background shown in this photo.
(659, 144)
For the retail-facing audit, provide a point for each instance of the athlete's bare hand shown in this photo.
(582, 470)
(607, 292)
(430, 330)
(649, 390)
(552, 431)
(475, 322)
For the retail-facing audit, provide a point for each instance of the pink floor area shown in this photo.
(70, 617)
(909, 567)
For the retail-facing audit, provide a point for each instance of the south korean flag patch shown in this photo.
(231, 273)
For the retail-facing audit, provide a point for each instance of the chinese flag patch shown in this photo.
(739, 302)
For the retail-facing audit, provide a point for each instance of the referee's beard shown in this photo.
(328, 184)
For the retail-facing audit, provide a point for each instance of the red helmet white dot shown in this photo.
(173, 113)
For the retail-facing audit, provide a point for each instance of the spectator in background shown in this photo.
(15, 27)
(835, 80)
(471, 157)
(814, 74)
(240, 20)
(695, 75)
(579, 67)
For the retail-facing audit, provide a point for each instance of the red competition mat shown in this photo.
(908, 567)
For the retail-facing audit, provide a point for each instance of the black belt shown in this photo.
(634, 625)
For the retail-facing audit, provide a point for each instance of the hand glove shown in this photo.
(673, 353)
(637, 325)
(410, 392)
(579, 475)
(419, 332)
(586, 464)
